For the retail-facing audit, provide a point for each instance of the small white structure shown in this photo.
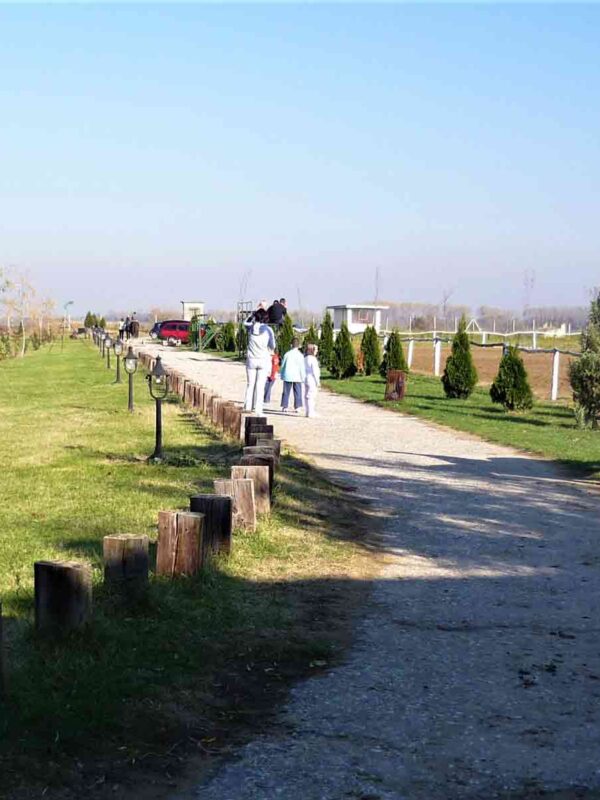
(357, 317)
(191, 308)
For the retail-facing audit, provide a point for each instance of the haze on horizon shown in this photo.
(155, 153)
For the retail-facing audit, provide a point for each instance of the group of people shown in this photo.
(299, 372)
(129, 327)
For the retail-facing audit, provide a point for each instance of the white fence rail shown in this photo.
(437, 342)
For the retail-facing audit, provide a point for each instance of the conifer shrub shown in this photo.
(310, 337)
(393, 356)
(241, 338)
(285, 336)
(343, 364)
(326, 341)
(228, 337)
(371, 351)
(511, 386)
(460, 376)
(584, 372)
(102, 323)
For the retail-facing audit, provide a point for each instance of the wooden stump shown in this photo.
(262, 449)
(216, 407)
(252, 422)
(243, 508)
(217, 520)
(272, 445)
(259, 431)
(260, 477)
(261, 461)
(126, 562)
(231, 421)
(63, 594)
(180, 543)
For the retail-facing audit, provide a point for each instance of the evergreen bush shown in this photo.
(371, 351)
(511, 386)
(228, 337)
(241, 338)
(460, 376)
(343, 364)
(393, 356)
(310, 337)
(584, 372)
(285, 336)
(326, 341)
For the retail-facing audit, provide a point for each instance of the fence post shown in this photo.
(437, 356)
(411, 349)
(484, 337)
(555, 373)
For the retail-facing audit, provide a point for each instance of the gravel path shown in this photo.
(476, 666)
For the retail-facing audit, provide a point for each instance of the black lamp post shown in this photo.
(118, 348)
(130, 362)
(159, 386)
(107, 346)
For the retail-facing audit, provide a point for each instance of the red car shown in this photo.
(174, 331)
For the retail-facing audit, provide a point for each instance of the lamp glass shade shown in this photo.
(157, 381)
(108, 341)
(130, 362)
(118, 347)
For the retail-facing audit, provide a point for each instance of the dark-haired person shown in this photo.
(261, 344)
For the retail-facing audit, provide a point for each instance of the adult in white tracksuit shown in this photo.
(261, 343)
(312, 382)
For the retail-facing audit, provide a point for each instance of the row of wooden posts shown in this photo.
(186, 539)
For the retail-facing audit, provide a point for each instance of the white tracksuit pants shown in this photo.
(310, 395)
(256, 374)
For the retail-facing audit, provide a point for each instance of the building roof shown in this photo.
(362, 305)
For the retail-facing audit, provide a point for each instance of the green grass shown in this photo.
(74, 469)
(548, 429)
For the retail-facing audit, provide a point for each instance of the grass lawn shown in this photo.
(198, 661)
(548, 429)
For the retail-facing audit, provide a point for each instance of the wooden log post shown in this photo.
(126, 562)
(261, 461)
(217, 520)
(180, 549)
(231, 420)
(252, 422)
(223, 406)
(264, 431)
(243, 507)
(273, 445)
(262, 449)
(63, 595)
(216, 407)
(260, 478)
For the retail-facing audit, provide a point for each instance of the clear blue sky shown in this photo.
(153, 153)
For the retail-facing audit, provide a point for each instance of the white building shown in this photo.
(189, 309)
(357, 317)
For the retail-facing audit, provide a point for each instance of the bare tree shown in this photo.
(19, 303)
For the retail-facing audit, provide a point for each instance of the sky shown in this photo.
(153, 153)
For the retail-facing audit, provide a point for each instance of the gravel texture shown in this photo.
(475, 670)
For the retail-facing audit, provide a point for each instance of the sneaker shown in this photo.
(284, 410)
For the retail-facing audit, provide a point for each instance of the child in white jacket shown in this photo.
(312, 381)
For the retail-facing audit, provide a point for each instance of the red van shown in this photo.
(174, 331)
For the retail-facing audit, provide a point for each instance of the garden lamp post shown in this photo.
(107, 346)
(159, 386)
(118, 348)
(102, 340)
(130, 362)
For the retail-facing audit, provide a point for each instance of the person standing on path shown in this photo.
(312, 381)
(293, 375)
(261, 343)
(272, 377)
